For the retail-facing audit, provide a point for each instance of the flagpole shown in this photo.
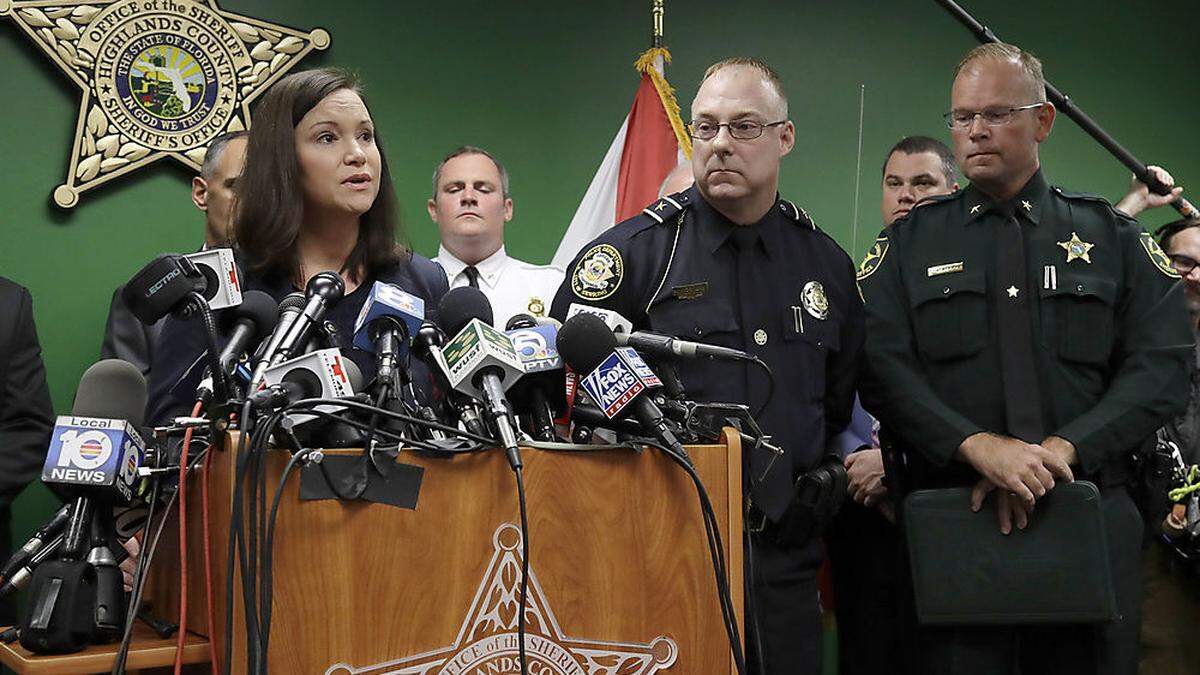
(656, 11)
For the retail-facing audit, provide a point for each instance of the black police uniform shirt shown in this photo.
(674, 270)
(1110, 334)
(178, 359)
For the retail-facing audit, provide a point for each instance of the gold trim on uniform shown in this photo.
(873, 258)
(598, 273)
(1157, 256)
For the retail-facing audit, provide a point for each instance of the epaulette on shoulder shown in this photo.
(1092, 198)
(668, 207)
(932, 203)
(1071, 194)
(797, 214)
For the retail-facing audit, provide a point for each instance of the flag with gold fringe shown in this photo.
(651, 141)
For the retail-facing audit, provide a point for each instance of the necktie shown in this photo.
(1022, 394)
(771, 481)
(472, 276)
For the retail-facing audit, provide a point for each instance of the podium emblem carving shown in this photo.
(487, 640)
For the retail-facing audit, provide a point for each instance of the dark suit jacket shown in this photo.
(127, 338)
(26, 414)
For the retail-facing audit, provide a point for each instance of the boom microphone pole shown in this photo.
(1068, 107)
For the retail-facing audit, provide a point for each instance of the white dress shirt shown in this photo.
(512, 286)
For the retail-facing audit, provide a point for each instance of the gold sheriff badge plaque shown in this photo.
(487, 641)
(160, 78)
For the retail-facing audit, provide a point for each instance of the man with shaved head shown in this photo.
(1021, 336)
(728, 261)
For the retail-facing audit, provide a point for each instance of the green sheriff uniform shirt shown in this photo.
(1110, 334)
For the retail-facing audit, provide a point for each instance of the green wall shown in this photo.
(545, 86)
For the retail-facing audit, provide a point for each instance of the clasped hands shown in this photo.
(1020, 473)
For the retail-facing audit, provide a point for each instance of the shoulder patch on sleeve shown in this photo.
(598, 273)
(874, 257)
(1157, 255)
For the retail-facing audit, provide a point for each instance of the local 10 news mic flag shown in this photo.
(93, 459)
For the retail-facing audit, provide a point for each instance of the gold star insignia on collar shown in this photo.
(1026, 205)
(1076, 248)
(975, 209)
(158, 79)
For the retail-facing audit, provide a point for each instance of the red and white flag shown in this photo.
(650, 142)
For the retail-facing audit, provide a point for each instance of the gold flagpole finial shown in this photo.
(657, 12)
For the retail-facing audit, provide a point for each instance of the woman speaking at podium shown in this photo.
(315, 194)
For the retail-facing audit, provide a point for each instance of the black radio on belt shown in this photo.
(819, 495)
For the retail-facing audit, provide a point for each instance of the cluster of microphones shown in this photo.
(536, 382)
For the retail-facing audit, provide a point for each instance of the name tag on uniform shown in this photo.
(948, 268)
(690, 291)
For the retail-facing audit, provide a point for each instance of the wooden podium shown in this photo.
(620, 575)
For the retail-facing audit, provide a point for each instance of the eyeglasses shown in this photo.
(992, 117)
(742, 130)
(1183, 264)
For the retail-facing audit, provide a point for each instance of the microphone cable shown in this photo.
(770, 386)
(716, 551)
(181, 490)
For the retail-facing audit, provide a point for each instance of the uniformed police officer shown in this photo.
(1019, 335)
(471, 205)
(731, 263)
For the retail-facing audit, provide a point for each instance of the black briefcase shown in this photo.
(966, 572)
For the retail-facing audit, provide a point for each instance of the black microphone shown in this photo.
(541, 392)
(427, 345)
(289, 308)
(585, 343)
(667, 345)
(322, 292)
(297, 384)
(93, 456)
(247, 324)
(36, 542)
(163, 286)
(459, 310)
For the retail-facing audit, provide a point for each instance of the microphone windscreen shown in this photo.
(310, 384)
(294, 301)
(112, 389)
(354, 374)
(520, 321)
(259, 308)
(460, 305)
(328, 285)
(584, 342)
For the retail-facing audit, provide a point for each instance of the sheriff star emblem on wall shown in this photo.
(487, 641)
(160, 78)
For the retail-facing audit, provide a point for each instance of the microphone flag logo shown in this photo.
(618, 380)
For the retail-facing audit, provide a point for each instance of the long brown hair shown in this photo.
(270, 200)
